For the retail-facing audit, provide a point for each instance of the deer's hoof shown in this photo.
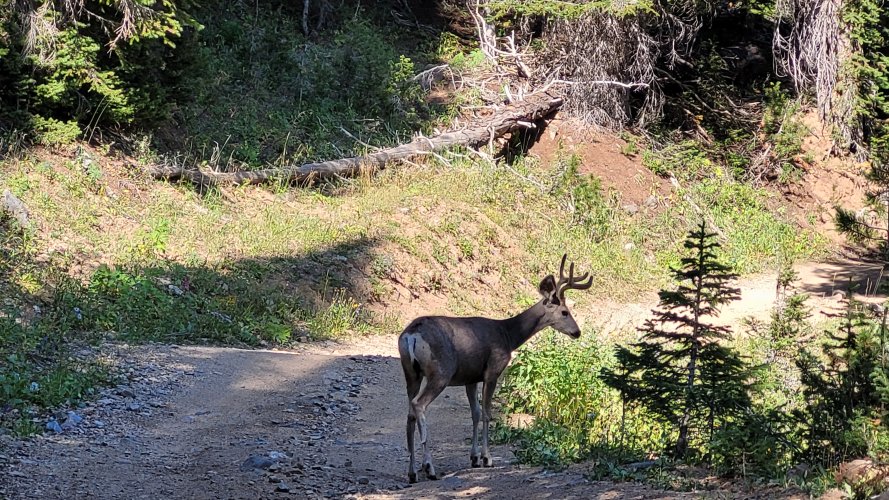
(474, 460)
(430, 471)
(412, 477)
(488, 461)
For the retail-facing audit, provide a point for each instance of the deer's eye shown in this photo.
(565, 313)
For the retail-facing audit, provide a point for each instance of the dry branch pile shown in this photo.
(592, 52)
(606, 63)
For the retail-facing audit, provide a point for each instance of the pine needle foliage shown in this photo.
(871, 225)
(842, 399)
(679, 370)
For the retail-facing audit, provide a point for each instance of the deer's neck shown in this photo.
(522, 327)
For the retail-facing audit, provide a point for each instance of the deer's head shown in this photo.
(557, 314)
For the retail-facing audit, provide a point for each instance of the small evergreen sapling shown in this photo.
(843, 395)
(679, 370)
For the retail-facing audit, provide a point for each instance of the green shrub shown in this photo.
(687, 160)
(37, 367)
(784, 130)
(91, 64)
(28, 380)
(341, 316)
(585, 199)
(295, 95)
(576, 414)
(52, 132)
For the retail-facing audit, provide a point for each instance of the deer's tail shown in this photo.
(407, 348)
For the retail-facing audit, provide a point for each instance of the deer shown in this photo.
(441, 351)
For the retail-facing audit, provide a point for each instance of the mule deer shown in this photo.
(440, 351)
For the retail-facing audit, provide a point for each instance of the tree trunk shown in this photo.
(504, 120)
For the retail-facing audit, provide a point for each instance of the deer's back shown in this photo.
(462, 349)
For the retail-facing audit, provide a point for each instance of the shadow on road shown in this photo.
(866, 278)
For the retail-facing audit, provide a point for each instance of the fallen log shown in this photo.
(504, 120)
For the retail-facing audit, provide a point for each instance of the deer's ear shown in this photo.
(547, 287)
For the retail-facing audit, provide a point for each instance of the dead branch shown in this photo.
(598, 82)
(599, 48)
(305, 18)
(486, 38)
(504, 120)
(429, 77)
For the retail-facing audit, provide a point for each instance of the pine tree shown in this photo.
(679, 370)
(789, 320)
(845, 389)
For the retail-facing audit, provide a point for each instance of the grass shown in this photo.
(452, 234)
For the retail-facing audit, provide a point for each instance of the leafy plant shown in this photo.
(783, 131)
(37, 367)
(341, 316)
(685, 160)
(585, 199)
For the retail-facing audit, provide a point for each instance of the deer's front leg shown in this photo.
(475, 408)
(487, 397)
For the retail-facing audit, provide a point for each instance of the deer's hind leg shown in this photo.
(430, 389)
(475, 408)
(412, 380)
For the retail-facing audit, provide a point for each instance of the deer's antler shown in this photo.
(571, 282)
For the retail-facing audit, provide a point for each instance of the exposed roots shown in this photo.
(811, 44)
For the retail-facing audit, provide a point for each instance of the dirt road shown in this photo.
(324, 420)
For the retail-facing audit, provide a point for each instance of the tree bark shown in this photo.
(504, 120)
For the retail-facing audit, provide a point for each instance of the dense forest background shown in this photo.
(710, 97)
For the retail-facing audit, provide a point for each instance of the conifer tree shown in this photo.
(679, 370)
(845, 389)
